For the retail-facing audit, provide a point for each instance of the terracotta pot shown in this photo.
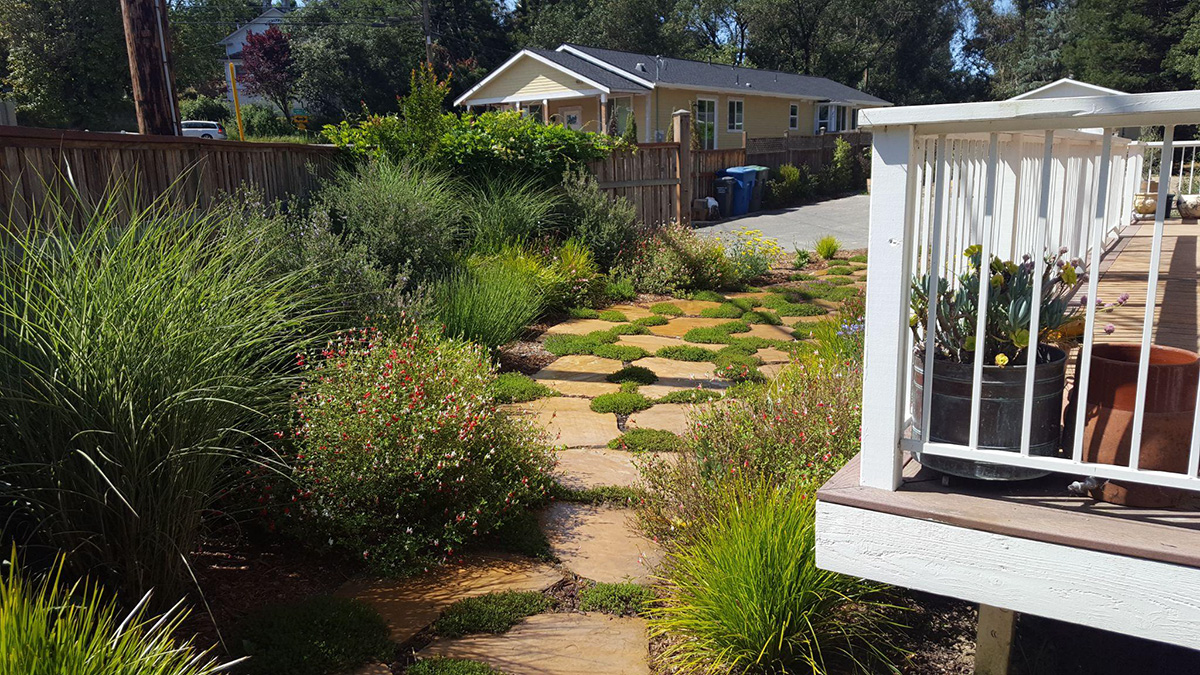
(1166, 430)
(1188, 205)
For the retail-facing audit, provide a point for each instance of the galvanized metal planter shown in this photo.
(1001, 407)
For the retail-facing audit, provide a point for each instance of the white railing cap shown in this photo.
(1118, 110)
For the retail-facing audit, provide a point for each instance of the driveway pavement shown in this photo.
(844, 218)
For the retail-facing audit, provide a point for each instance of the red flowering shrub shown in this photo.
(401, 454)
(673, 259)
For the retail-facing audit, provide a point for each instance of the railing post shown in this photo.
(685, 171)
(893, 182)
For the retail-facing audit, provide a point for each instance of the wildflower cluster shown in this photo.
(751, 254)
(402, 457)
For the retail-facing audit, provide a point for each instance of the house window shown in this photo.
(735, 114)
(854, 118)
(822, 122)
(706, 123)
(794, 116)
(620, 112)
(841, 118)
(533, 110)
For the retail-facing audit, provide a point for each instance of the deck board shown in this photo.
(1040, 510)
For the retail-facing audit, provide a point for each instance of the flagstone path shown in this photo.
(599, 543)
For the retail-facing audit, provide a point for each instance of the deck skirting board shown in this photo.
(1146, 598)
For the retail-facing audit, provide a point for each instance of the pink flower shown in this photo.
(1109, 328)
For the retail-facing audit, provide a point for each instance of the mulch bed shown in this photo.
(524, 356)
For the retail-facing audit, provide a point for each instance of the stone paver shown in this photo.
(631, 312)
(678, 326)
(799, 320)
(772, 369)
(599, 542)
(773, 355)
(409, 605)
(694, 307)
(579, 375)
(769, 332)
(558, 644)
(650, 343)
(582, 468)
(678, 375)
(671, 417)
(570, 421)
(579, 327)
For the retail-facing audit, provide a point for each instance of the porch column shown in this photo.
(545, 111)
(603, 116)
(647, 131)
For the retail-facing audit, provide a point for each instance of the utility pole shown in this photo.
(148, 43)
(427, 31)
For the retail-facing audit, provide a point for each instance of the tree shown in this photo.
(66, 64)
(197, 26)
(270, 69)
(1123, 43)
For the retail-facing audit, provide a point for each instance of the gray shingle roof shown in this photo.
(591, 71)
(683, 72)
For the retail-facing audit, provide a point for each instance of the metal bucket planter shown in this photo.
(1000, 413)
(1166, 429)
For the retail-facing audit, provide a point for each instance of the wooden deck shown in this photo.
(1040, 510)
(1125, 270)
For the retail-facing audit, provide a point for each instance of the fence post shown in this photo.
(685, 171)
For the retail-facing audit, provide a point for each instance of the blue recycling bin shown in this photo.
(743, 191)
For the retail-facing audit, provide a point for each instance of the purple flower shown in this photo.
(1109, 328)
(1123, 298)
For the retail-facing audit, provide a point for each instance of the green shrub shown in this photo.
(439, 665)
(414, 132)
(760, 552)
(407, 218)
(48, 627)
(490, 304)
(708, 336)
(563, 344)
(691, 396)
(837, 280)
(818, 290)
(734, 327)
(620, 353)
(312, 637)
(491, 613)
(707, 296)
(666, 309)
(745, 304)
(621, 403)
(762, 316)
(637, 374)
(674, 259)
(620, 289)
(726, 310)
(840, 172)
(261, 120)
(522, 534)
(629, 329)
(377, 420)
(654, 320)
(800, 276)
(207, 108)
(827, 247)
(141, 353)
(605, 225)
(613, 316)
(518, 388)
(502, 211)
(755, 343)
(739, 371)
(783, 307)
(647, 440)
(604, 494)
(685, 353)
(860, 258)
(567, 277)
(582, 313)
(740, 347)
(620, 599)
(789, 185)
(840, 270)
(802, 258)
(751, 255)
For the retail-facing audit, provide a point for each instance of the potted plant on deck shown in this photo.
(1007, 351)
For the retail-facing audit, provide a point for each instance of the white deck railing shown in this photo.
(1016, 178)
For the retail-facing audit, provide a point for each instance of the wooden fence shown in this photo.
(37, 164)
(706, 164)
(648, 176)
(815, 152)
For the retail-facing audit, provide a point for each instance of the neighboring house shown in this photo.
(236, 41)
(604, 90)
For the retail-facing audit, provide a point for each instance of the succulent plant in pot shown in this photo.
(1006, 347)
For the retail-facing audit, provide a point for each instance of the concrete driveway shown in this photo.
(846, 218)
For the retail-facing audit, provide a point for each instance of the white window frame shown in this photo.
(736, 121)
(793, 116)
(716, 122)
(853, 115)
(823, 110)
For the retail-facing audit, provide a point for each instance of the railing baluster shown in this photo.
(1160, 214)
(1038, 258)
(989, 205)
(1093, 272)
(935, 274)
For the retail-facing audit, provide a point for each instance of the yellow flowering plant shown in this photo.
(751, 254)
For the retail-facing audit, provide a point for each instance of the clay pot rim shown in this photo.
(1177, 356)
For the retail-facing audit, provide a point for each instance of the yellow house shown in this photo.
(607, 91)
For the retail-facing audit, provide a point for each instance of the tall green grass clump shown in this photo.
(490, 304)
(746, 595)
(502, 211)
(48, 627)
(143, 354)
(827, 247)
